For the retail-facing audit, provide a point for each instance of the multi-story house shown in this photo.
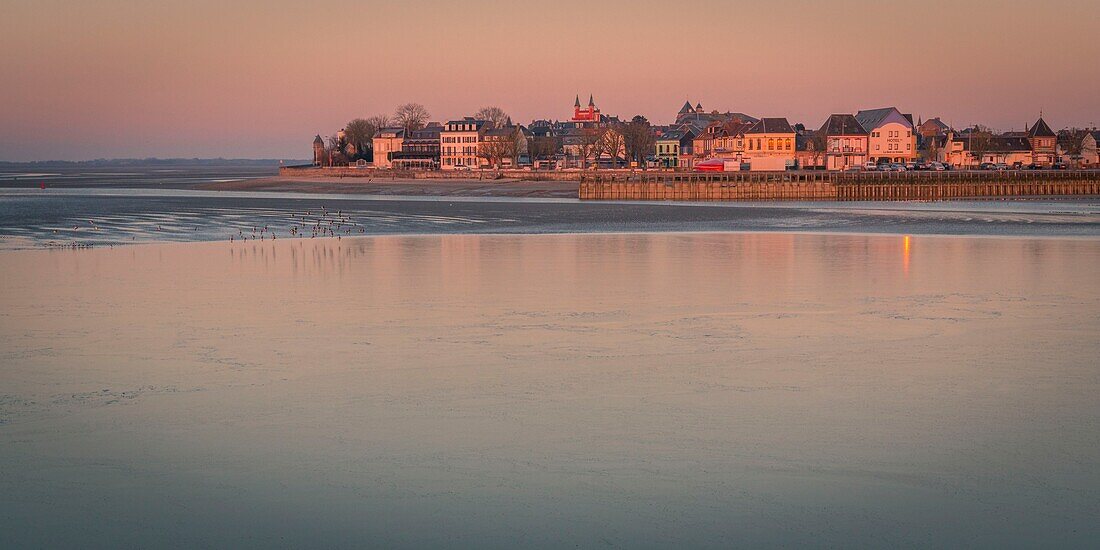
(729, 142)
(770, 144)
(891, 136)
(845, 142)
(420, 149)
(458, 143)
(387, 142)
(673, 146)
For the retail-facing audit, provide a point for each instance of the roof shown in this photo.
(843, 125)
(687, 108)
(1040, 129)
(672, 135)
(427, 132)
(936, 123)
(390, 133)
(1003, 144)
(873, 118)
(771, 126)
(1000, 144)
(468, 120)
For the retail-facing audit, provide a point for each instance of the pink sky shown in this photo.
(112, 78)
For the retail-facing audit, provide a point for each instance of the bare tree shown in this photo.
(1072, 142)
(359, 134)
(495, 148)
(496, 115)
(819, 143)
(980, 141)
(638, 139)
(540, 148)
(411, 116)
(612, 144)
(590, 145)
(519, 145)
(379, 121)
(334, 152)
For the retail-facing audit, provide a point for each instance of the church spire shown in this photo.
(590, 102)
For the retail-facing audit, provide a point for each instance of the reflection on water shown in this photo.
(622, 390)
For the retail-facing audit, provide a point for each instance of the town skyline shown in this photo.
(190, 82)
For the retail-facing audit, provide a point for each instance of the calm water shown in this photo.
(631, 390)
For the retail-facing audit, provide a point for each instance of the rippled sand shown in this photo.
(634, 390)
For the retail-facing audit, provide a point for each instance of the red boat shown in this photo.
(711, 165)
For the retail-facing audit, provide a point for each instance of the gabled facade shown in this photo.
(933, 127)
(770, 144)
(890, 135)
(387, 142)
(1044, 143)
(846, 142)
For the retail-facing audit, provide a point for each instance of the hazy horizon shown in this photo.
(118, 79)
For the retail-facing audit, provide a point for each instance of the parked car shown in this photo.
(937, 167)
(985, 166)
(897, 167)
(870, 166)
(1000, 166)
(1059, 166)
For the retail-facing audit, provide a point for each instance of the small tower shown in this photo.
(318, 151)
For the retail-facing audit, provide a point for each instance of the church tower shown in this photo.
(318, 151)
(586, 115)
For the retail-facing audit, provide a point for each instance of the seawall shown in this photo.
(809, 186)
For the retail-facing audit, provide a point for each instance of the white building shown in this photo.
(458, 143)
(891, 135)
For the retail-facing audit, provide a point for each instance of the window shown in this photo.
(771, 144)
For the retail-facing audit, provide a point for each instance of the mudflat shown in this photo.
(472, 187)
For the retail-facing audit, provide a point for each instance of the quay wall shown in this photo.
(839, 187)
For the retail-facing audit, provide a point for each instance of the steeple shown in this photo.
(590, 102)
(578, 103)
